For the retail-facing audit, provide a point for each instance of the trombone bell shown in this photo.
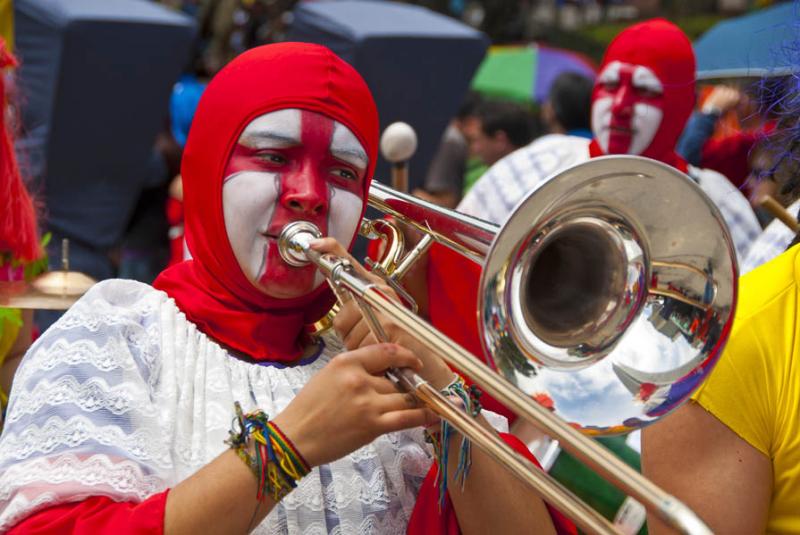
(609, 290)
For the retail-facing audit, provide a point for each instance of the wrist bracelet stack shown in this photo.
(440, 438)
(277, 463)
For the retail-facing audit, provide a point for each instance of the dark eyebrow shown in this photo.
(347, 155)
(253, 138)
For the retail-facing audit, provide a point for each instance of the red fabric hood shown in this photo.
(664, 48)
(211, 289)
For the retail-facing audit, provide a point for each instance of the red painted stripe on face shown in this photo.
(316, 131)
(304, 186)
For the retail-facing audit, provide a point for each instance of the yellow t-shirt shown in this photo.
(755, 387)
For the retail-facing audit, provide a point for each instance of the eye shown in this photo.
(272, 157)
(611, 85)
(347, 174)
(648, 93)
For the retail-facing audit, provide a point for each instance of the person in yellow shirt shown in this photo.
(733, 454)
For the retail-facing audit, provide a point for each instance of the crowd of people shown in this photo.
(204, 401)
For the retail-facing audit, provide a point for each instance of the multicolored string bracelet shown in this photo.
(277, 463)
(440, 438)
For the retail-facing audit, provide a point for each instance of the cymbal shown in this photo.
(63, 283)
(55, 290)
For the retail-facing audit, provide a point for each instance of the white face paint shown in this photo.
(626, 110)
(249, 196)
(601, 121)
(344, 203)
(290, 165)
(645, 123)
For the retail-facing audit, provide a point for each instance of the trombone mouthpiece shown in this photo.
(294, 241)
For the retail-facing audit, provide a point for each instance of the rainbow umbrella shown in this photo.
(525, 73)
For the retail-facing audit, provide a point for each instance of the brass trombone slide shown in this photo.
(297, 236)
(598, 222)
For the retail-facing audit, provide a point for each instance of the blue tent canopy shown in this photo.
(762, 43)
(417, 63)
(95, 80)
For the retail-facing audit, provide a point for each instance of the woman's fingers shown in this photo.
(349, 314)
(397, 401)
(382, 385)
(331, 246)
(376, 359)
(355, 337)
(351, 326)
(404, 419)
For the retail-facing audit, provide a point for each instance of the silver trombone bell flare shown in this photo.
(608, 291)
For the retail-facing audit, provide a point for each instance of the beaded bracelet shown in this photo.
(277, 463)
(440, 439)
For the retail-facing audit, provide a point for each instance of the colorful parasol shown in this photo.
(525, 73)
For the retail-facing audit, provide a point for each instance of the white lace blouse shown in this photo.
(123, 397)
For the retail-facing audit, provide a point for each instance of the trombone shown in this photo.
(590, 295)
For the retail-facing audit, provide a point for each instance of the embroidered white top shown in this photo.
(123, 397)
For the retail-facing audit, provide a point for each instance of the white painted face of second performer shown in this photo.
(290, 165)
(627, 108)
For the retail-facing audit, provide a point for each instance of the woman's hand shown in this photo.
(349, 403)
(354, 329)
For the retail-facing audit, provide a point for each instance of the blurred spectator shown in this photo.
(183, 103)
(444, 182)
(774, 173)
(155, 230)
(567, 108)
(498, 128)
(774, 169)
(144, 251)
(641, 115)
(703, 144)
(702, 123)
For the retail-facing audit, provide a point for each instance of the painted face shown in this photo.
(290, 165)
(627, 108)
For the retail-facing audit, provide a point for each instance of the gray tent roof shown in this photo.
(95, 78)
(417, 63)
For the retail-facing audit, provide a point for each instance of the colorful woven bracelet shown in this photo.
(277, 463)
(440, 440)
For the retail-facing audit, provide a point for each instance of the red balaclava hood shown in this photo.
(211, 289)
(664, 48)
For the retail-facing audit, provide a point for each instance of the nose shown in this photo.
(622, 103)
(305, 193)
